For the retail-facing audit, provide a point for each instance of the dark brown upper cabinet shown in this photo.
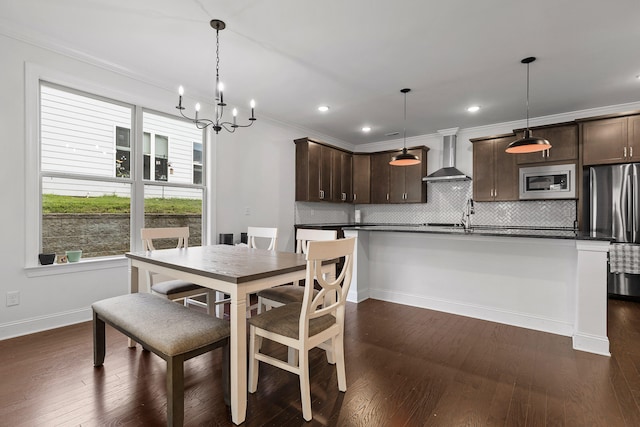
(361, 178)
(495, 173)
(611, 140)
(564, 144)
(398, 184)
(341, 175)
(323, 173)
(329, 174)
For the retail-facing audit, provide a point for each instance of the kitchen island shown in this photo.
(552, 280)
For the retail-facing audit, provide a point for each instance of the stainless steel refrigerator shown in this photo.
(615, 210)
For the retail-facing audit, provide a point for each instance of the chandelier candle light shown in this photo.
(528, 143)
(405, 159)
(218, 124)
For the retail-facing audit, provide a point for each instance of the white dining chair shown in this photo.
(257, 238)
(309, 324)
(175, 290)
(262, 237)
(284, 294)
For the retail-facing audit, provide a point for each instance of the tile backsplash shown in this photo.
(446, 202)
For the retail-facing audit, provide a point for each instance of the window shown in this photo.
(123, 152)
(197, 163)
(161, 158)
(87, 173)
(159, 152)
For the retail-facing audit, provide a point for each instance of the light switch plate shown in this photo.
(13, 298)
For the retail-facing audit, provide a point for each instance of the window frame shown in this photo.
(36, 74)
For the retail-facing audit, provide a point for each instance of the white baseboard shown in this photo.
(591, 343)
(44, 323)
(491, 314)
(355, 296)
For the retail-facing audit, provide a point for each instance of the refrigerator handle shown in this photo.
(635, 199)
(631, 215)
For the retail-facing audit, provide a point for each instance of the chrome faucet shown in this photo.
(469, 210)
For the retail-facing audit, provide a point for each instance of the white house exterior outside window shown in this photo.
(89, 156)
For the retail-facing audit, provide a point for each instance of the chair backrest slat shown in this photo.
(149, 234)
(263, 232)
(306, 235)
(333, 292)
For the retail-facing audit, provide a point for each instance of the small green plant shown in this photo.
(53, 203)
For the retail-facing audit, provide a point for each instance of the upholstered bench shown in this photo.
(170, 330)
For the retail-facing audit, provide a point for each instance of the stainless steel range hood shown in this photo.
(448, 172)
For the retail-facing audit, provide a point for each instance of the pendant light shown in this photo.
(528, 143)
(405, 159)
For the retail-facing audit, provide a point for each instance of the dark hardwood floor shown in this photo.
(405, 367)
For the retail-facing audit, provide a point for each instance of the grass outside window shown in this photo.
(52, 203)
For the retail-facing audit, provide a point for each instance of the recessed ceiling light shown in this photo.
(638, 77)
(323, 108)
(366, 129)
(473, 108)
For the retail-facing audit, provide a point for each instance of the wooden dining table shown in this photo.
(234, 270)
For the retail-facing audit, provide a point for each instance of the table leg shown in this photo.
(133, 288)
(238, 357)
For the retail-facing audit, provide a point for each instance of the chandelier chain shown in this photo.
(217, 56)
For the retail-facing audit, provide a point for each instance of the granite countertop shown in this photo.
(476, 230)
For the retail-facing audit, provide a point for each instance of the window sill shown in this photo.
(92, 264)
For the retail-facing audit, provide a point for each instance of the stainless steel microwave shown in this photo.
(548, 182)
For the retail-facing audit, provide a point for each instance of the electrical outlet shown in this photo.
(13, 298)
(247, 211)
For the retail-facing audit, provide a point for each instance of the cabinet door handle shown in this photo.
(624, 152)
(344, 196)
(355, 197)
(630, 151)
(387, 196)
(322, 194)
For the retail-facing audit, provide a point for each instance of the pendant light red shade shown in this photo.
(528, 143)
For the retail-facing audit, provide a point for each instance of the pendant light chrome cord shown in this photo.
(405, 159)
(528, 143)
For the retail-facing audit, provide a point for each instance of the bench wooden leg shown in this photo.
(99, 343)
(175, 391)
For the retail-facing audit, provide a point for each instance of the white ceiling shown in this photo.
(356, 55)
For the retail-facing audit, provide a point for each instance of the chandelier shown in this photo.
(218, 124)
